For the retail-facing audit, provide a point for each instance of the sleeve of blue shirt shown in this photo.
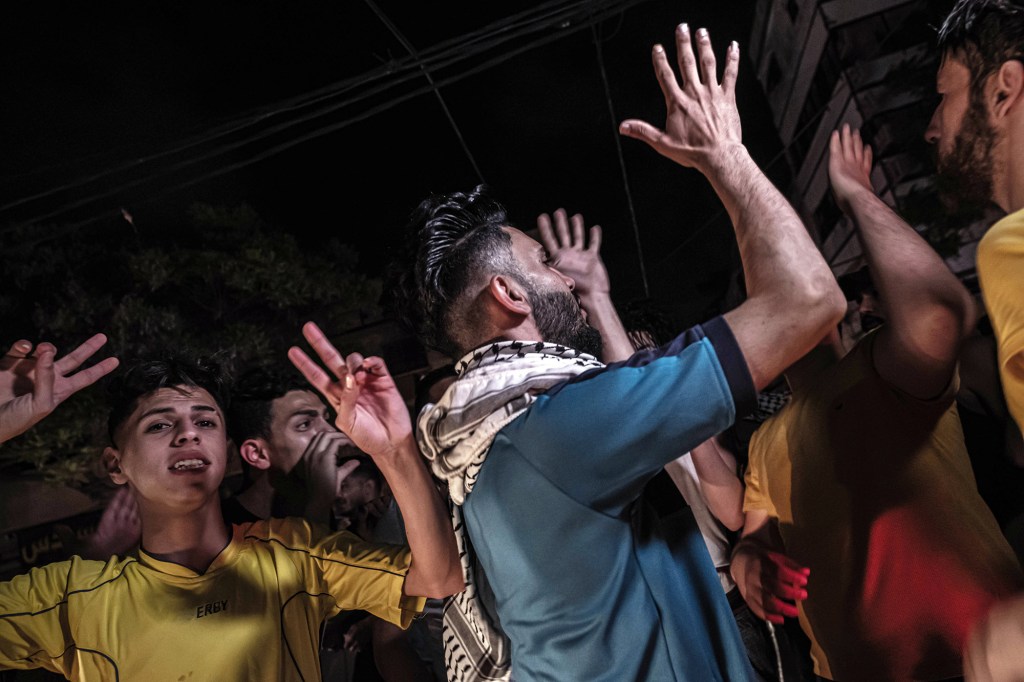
(600, 436)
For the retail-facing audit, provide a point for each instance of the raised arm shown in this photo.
(569, 252)
(33, 384)
(928, 311)
(372, 413)
(792, 297)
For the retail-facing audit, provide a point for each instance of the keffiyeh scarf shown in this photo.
(496, 384)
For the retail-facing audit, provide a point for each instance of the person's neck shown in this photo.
(1009, 193)
(193, 539)
(258, 497)
(1015, 184)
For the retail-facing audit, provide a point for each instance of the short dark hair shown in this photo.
(253, 395)
(451, 240)
(985, 33)
(127, 388)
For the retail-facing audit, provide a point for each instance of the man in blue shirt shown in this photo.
(546, 450)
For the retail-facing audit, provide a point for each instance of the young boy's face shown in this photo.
(172, 449)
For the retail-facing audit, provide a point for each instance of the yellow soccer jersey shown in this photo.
(255, 614)
(1001, 271)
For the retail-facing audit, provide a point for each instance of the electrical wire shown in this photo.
(622, 161)
(448, 53)
(400, 37)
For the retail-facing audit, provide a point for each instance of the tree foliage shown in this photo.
(222, 282)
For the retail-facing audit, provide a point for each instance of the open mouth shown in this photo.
(189, 465)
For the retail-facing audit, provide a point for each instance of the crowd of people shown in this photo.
(575, 488)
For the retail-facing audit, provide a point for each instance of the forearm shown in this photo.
(777, 252)
(755, 539)
(792, 298)
(920, 294)
(722, 488)
(602, 316)
(435, 570)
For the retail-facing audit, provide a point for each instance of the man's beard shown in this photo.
(965, 174)
(559, 320)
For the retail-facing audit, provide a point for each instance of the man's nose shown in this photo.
(569, 281)
(187, 433)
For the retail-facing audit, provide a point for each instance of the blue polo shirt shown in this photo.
(589, 585)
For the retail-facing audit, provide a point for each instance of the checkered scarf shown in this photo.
(496, 384)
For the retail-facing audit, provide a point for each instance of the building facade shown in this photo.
(872, 64)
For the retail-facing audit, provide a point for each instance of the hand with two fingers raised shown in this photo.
(33, 382)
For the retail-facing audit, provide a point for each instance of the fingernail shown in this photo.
(350, 382)
(702, 33)
(25, 346)
(684, 28)
(734, 46)
(659, 48)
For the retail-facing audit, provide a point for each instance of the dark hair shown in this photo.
(985, 33)
(252, 396)
(452, 239)
(126, 389)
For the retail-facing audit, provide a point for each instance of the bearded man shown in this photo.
(546, 451)
(978, 131)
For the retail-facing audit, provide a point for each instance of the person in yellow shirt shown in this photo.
(978, 132)
(205, 601)
(862, 517)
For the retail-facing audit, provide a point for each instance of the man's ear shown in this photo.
(1008, 88)
(255, 453)
(112, 463)
(509, 294)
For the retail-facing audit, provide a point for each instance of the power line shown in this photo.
(622, 161)
(430, 79)
(443, 55)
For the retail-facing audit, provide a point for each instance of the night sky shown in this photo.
(117, 104)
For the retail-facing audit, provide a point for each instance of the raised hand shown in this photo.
(701, 115)
(849, 165)
(771, 583)
(370, 409)
(568, 251)
(119, 529)
(322, 475)
(32, 385)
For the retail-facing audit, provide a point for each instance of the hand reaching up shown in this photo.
(849, 165)
(33, 384)
(571, 255)
(701, 115)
